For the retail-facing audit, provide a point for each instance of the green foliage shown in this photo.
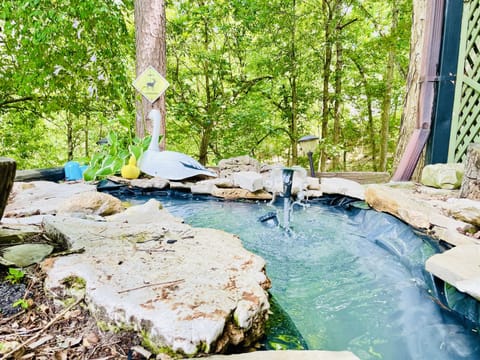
(246, 78)
(24, 304)
(15, 276)
(112, 156)
(62, 64)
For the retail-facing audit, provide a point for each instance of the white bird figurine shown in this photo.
(169, 165)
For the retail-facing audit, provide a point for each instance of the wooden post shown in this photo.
(471, 180)
(8, 168)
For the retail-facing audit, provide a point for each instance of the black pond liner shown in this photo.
(281, 330)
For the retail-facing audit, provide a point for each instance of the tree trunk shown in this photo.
(207, 125)
(337, 103)
(410, 108)
(293, 87)
(70, 144)
(150, 50)
(86, 130)
(7, 175)
(387, 99)
(471, 179)
(326, 81)
(204, 143)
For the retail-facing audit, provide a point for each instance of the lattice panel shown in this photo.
(466, 112)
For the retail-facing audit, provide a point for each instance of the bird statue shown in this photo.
(169, 165)
(131, 170)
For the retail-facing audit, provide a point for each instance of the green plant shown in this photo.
(24, 304)
(15, 276)
(110, 159)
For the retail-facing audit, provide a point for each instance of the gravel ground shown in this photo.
(9, 294)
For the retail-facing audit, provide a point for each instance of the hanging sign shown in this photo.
(151, 84)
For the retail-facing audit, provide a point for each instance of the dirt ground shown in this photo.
(48, 329)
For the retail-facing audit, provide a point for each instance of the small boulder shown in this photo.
(248, 180)
(233, 194)
(25, 254)
(464, 210)
(443, 176)
(91, 203)
(227, 167)
(343, 187)
(203, 187)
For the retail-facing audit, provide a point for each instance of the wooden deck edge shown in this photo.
(53, 174)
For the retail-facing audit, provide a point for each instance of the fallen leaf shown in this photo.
(69, 342)
(60, 355)
(40, 342)
(90, 339)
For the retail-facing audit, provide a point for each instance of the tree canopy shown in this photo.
(247, 77)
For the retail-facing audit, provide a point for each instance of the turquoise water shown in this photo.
(349, 280)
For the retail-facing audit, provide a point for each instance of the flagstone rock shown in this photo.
(151, 212)
(181, 185)
(309, 194)
(463, 209)
(41, 197)
(343, 187)
(236, 193)
(91, 203)
(248, 180)
(221, 182)
(15, 234)
(227, 167)
(143, 183)
(201, 187)
(460, 267)
(190, 290)
(417, 212)
(25, 254)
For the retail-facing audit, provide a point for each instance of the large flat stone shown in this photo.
(419, 213)
(191, 290)
(248, 180)
(460, 267)
(42, 197)
(343, 187)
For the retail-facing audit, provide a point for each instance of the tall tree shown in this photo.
(209, 70)
(150, 39)
(388, 80)
(410, 109)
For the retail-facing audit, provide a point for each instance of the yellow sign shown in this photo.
(151, 84)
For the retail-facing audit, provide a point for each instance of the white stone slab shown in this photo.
(191, 290)
(41, 197)
(342, 186)
(248, 180)
(460, 267)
